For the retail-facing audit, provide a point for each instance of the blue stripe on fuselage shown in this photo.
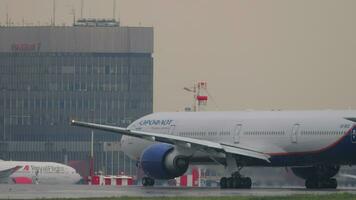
(342, 152)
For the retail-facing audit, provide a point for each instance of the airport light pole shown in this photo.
(91, 170)
(4, 116)
(4, 136)
(200, 95)
(124, 164)
(119, 162)
(91, 159)
(112, 161)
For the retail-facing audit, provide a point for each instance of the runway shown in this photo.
(82, 191)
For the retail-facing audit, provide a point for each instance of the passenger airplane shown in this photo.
(24, 172)
(314, 144)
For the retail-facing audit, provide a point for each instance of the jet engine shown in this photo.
(163, 161)
(316, 172)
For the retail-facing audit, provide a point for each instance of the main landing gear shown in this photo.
(330, 183)
(235, 181)
(147, 181)
(318, 176)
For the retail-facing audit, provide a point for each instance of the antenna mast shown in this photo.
(73, 13)
(81, 8)
(7, 15)
(54, 13)
(114, 9)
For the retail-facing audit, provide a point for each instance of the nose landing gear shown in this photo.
(147, 181)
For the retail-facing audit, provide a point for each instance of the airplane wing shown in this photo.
(5, 174)
(348, 176)
(178, 140)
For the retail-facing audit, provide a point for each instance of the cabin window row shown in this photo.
(276, 133)
(202, 134)
(192, 134)
(318, 132)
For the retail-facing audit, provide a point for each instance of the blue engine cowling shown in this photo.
(162, 161)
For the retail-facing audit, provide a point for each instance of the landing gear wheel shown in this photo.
(147, 181)
(333, 183)
(247, 183)
(223, 183)
(321, 184)
(236, 182)
(229, 182)
(151, 181)
(144, 181)
(311, 184)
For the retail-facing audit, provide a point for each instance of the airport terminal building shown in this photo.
(49, 75)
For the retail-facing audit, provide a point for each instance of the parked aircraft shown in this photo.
(26, 172)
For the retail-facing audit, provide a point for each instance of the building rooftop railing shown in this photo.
(93, 22)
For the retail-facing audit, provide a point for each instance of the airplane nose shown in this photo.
(77, 178)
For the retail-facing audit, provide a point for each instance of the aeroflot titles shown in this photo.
(158, 122)
(45, 169)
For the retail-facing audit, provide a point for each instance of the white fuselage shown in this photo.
(277, 133)
(42, 172)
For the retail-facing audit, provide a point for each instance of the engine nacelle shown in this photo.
(316, 172)
(163, 161)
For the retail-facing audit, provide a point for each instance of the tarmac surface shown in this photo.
(8, 191)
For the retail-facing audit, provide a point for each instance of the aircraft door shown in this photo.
(294, 134)
(353, 136)
(171, 130)
(237, 131)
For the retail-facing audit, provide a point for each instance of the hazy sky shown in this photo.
(267, 54)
